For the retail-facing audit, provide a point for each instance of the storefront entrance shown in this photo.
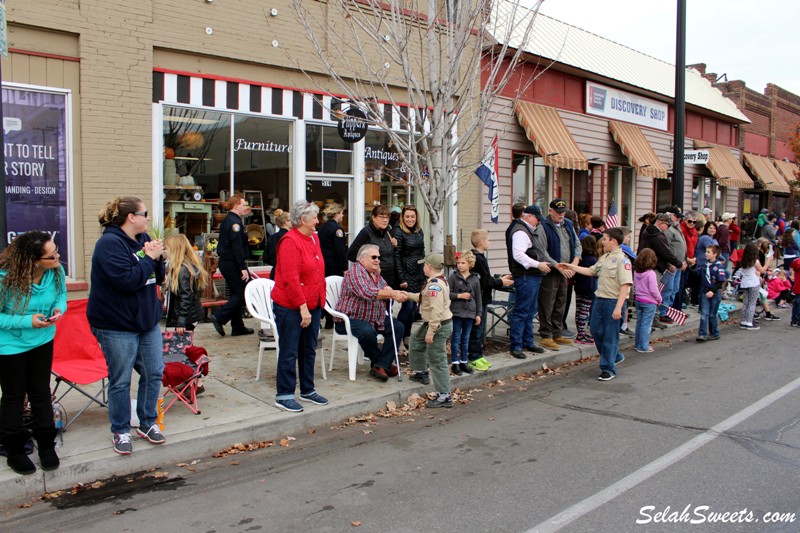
(325, 191)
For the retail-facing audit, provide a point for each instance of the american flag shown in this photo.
(611, 219)
(679, 317)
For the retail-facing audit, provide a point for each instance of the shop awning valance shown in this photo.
(724, 166)
(787, 170)
(637, 149)
(550, 136)
(763, 169)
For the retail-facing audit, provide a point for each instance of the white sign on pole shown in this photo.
(618, 105)
(695, 157)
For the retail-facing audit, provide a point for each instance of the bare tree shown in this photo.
(447, 60)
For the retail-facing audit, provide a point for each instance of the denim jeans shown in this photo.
(477, 337)
(796, 309)
(668, 292)
(605, 331)
(126, 351)
(644, 321)
(462, 327)
(367, 337)
(297, 351)
(526, 290)
(708, 314)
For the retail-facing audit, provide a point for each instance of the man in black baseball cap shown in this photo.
(558, 205)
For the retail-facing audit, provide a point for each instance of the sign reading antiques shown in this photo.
(352, 125)
(618, 105)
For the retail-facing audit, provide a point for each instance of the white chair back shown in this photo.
(333, 289)
(258, 298)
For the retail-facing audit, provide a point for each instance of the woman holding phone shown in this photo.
(32, 297)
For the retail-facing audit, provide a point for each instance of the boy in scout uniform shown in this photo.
(429, 343)
(614, 281)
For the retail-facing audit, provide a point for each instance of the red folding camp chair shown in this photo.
(183, 371)
(77, 358)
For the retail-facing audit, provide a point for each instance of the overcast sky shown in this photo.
(753, 41)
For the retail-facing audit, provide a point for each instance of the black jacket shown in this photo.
(232, 244)
(410, 249)
(488, 282)
(184, 309)
(371, 235)
(333, 242)
(654, 238)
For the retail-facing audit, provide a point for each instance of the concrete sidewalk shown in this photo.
(236, 408)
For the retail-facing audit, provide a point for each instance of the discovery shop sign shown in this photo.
(618, 105)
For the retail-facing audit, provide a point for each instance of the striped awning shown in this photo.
(787, 170)
(724, 166)
(640, 154)
(550, 136)
(763, 169)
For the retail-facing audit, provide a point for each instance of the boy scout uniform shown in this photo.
(613, 270)
(434, 300)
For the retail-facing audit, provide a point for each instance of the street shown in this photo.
(690, 432)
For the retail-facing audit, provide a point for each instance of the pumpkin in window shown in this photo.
(169, 153)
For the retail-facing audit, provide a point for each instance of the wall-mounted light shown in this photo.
(551, 154)
(209, 30)
(593, 159)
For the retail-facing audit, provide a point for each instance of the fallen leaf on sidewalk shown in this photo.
(366, 431)
(241, 448)
(355, 523)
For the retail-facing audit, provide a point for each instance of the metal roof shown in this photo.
(569, 45)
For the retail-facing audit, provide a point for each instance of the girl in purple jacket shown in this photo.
(645, 285)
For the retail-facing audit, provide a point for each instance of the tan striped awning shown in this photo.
(763, 169)
(550, 136)
(787, 170)
(724, 166)
(640, 154)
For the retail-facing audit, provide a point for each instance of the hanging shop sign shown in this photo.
(695, 157)
(619, 105)
(352, 126)
(36, 165)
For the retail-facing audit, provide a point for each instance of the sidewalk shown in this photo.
(236, 408)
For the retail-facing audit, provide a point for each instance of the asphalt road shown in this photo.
(690, 432)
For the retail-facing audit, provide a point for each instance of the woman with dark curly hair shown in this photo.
(124, 311)
(32, 297)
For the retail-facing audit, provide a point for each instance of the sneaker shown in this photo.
(771, 317)
(621, 358)
(665, 319)
(658, 325)
(649, 349)
(795, 324)
(152, 434)
(290, 405)
(584, 340)
(550, 344)
(485, 362)
(122, 443)
(420, 377)
(627, 332)
(535, 349)
(563, 340)
(750, 327)
(476, 365)
(465, 368)
(784, 305)
(713, 337)
(606, 376)
(379, 373)
(314, 398)
(441, 401)
(568, 334)
(701, 338)
(518, 354)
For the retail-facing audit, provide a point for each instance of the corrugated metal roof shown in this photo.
(569, 45)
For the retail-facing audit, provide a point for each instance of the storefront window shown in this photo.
(702, 193)
(529, 180)
(386, 178)
(582, 192)
(327, 152)
(663, 199)
(621, 192)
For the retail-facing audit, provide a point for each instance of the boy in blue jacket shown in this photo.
(711, 280)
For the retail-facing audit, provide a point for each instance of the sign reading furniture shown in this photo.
(618, 105)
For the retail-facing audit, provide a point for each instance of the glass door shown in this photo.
(326, 191)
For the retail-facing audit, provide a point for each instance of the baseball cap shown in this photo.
(675, 210)
(535, 211)
(433, 259)
(558, 205)
(706, 211)
(726, 216)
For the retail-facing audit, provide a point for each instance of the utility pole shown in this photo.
(680, 106)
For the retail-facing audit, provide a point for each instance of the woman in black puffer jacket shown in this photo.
(410, 249)
(377, 233)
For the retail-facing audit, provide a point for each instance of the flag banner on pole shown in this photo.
(487, 172)
(679, 317)
(611, 219)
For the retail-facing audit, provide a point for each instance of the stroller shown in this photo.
(732, 291)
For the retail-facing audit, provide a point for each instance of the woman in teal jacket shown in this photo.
(32, 297)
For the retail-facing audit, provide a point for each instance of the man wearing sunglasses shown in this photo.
(363, 292)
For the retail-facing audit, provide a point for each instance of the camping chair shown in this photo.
(182, 374)
(77, 358)
(333, 287)
(500, 311)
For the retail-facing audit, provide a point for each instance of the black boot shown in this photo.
(46, 442)
(18, 460)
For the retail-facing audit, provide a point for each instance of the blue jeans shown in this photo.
(126, 351)
(367, 337)
(605, 331)
(644, 321)
(668, 292)
(708, 314)
(462, 327)
(297, 351)
(526, 290)
(796, 309)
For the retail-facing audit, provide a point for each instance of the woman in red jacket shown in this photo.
(298, 299)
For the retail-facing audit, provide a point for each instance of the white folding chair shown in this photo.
(333, 285)
(258, 299)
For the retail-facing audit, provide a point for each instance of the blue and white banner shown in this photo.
(487, 172)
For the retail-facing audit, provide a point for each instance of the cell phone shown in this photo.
(53, 318)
